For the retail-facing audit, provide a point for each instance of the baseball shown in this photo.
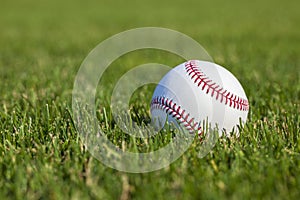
(199, 92)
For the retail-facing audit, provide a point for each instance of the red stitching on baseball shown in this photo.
(198, 76)
(177, 112)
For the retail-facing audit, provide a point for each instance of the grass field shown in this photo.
(42, 44)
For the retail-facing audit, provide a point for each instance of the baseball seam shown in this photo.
(171, 108)
(234, 101)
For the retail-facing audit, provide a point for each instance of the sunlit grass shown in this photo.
(42, 47)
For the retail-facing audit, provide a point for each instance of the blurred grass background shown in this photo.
(42, 44)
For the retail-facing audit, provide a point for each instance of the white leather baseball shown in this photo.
(196, 91)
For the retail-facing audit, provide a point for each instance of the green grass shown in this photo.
(42, 45)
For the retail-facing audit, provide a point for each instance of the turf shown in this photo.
(42, 46)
